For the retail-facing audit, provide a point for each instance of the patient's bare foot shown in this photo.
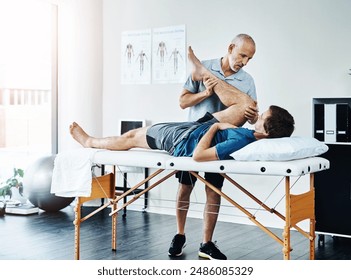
(199, 71)
(79, 135)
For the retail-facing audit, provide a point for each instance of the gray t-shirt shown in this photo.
(241, 80)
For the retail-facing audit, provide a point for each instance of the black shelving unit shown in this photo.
(333, 186)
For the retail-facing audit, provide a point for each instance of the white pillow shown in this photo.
(281, 149)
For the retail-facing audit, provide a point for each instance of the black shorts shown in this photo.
(165, 136)
(216, 179)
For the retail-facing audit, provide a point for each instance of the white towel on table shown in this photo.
(72, 175)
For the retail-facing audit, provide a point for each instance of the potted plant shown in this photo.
(15, 181)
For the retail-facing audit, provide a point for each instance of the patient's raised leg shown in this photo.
(135, 138)
(230, 96)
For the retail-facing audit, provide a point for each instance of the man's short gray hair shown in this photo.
(241, 38)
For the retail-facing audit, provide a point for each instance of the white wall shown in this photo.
(303, 51)
(79, 68)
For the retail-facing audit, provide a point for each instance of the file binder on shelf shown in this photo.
(343, 127)
(319, 122)
(330, 122)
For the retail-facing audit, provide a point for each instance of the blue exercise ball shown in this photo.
(37, 185)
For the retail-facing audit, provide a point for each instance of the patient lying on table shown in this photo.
(213, 137)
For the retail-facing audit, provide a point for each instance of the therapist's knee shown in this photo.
(212, 196)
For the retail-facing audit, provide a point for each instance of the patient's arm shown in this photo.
(203, 150)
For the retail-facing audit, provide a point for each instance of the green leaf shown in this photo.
(20, 172)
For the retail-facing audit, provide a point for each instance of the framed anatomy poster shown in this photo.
(136, 57)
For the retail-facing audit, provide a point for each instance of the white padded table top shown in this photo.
(284, 168)
(161, 159)
(133, 158)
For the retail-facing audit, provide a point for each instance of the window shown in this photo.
(28, 82)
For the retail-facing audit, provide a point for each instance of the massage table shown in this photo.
(298, 207)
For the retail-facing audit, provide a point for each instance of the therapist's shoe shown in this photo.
(177, 245)
(209, 250)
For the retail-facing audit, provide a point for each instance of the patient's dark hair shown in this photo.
(280, 123)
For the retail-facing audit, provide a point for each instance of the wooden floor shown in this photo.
(144, 236)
